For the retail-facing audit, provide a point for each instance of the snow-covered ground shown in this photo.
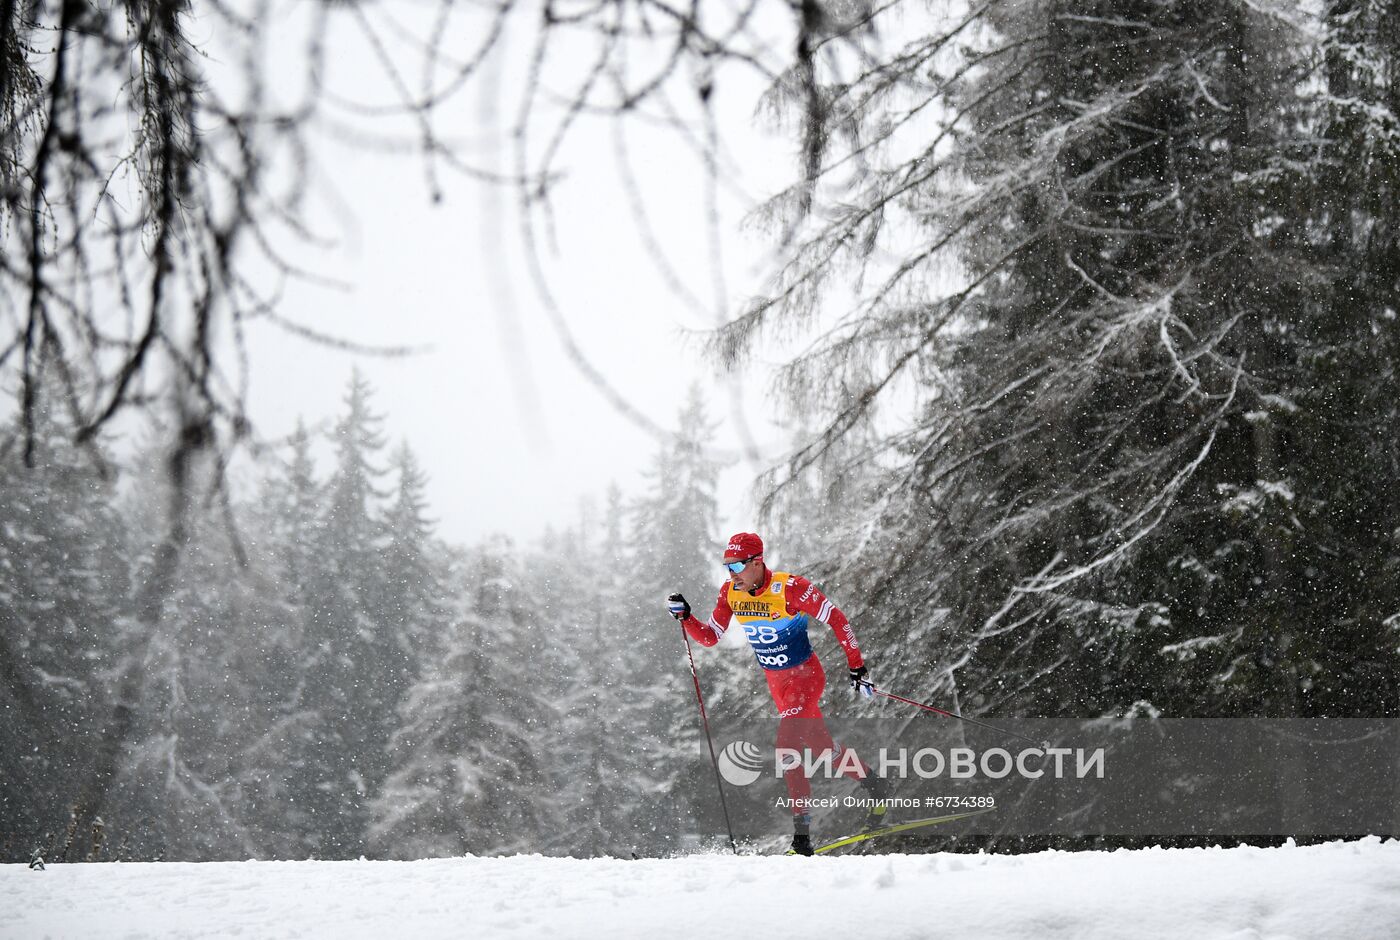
(1349, 890)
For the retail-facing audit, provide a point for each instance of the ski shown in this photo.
(891, 830)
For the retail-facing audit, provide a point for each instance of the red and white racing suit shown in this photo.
(775, 618)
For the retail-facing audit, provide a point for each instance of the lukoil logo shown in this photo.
(741, 763)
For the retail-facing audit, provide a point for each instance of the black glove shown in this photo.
(678, 607)
(858, 683)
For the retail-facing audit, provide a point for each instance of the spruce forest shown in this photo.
(1102, 421)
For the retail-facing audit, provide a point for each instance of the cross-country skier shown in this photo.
(775, 608)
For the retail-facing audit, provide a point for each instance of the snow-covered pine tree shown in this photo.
(1142, 322)
(287, 548)
(470, 776)
(289, 535)
(413, 609)
(63, 585)
(217, 676)
(353, 659)
(607, 752)
(413, 579)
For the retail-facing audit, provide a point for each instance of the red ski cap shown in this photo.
(744, 545)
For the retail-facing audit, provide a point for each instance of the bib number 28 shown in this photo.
(761, 633)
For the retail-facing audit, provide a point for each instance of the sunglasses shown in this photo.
(737, 566)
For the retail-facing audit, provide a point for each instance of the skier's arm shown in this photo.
(708, 633)
(804, 597)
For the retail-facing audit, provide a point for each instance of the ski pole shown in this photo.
(705, 720)
(940, 711)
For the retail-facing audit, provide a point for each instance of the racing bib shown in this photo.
(779, 639)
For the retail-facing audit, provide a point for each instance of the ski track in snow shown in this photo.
(1341, 889)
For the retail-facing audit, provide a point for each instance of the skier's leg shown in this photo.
(792, 705)
(799, 788)
(795, 704)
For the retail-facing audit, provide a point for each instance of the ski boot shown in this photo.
(801, 835)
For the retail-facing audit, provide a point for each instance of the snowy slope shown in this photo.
(1349, 890)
